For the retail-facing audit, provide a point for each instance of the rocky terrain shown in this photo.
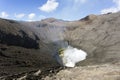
(96, 72)
(27, 48)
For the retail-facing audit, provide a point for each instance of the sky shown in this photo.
(35, 10)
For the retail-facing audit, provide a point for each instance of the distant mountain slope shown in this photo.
(13, 33)
(99, 36)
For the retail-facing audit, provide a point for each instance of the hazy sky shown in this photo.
(31, 10)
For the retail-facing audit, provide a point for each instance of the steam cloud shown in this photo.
(72, 56)
(52, 34)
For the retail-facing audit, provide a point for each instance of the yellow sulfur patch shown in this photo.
(61, 54)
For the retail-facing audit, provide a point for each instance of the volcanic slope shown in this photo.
(26, 46)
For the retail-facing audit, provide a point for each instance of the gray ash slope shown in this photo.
(26, 46)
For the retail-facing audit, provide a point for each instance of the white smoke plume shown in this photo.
(71, 56)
